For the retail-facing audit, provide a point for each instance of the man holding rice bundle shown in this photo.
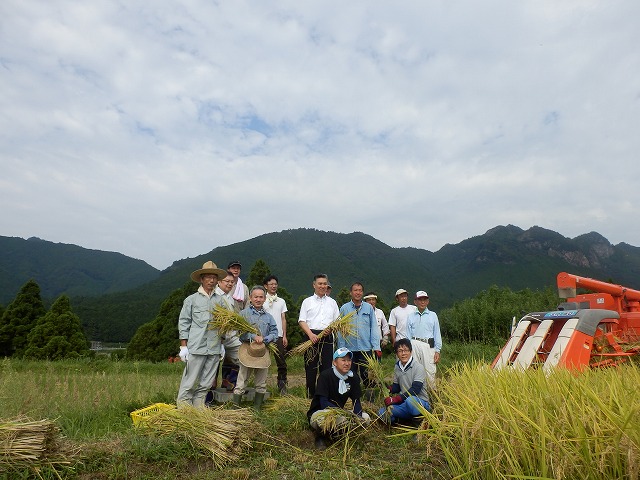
(366, 337)
(408, 391)
(335, 387)
(199, 345)
(253, 353)
(316, 313)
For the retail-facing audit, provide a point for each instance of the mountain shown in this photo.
(504, 256)
(61, 268)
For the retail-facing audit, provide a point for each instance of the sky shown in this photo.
(162, 130)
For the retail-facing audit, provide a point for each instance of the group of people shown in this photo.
(335, 369)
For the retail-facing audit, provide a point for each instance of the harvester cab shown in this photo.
(596, 329)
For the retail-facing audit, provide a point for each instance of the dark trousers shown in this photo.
(359, 366)
(317, 359)
(281, 363)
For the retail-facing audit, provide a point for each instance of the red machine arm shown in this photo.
(569, 283)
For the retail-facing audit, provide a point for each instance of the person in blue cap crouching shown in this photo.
(334, 388)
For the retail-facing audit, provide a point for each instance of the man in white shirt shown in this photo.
(316, 313)
(398, 316)
(277, 307)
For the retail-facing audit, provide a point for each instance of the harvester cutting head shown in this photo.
(595, 329)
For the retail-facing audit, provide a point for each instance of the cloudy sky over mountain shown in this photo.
(164, 129)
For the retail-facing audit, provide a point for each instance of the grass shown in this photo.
(485, 425)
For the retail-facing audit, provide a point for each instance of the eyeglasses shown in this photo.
(402, 350)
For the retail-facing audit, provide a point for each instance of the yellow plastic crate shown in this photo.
(142, 414)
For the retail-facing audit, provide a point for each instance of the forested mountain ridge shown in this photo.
(504, 256)
(63, 268)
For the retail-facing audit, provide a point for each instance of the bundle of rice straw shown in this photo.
(377, 375)
(25, 443)
(222, 434)
(338, 421)
(342, 325)
(225, 321)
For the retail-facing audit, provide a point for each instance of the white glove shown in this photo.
(184, 354)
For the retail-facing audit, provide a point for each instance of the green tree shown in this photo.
(488, 316)
(19, 319)
(343, 297)
(157, 340)
(58, 334)
(259, 270)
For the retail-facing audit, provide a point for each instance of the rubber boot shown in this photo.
(257, 401)
(320, 440)
(236, 400)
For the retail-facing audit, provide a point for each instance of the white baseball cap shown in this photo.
(400, 290)
(421, 294)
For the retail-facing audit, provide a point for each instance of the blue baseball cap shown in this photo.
(341, 352)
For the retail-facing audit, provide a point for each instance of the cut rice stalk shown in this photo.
(342, 325)
(225, 321)
(222, 434)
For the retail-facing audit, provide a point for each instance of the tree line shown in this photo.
(29, 330)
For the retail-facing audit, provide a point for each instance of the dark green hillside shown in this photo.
(506, 256)
(60, 268)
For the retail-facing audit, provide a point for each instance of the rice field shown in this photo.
(485, 425)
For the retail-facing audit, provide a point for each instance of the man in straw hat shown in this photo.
(199, 346)
(253, 353)
(335, 387)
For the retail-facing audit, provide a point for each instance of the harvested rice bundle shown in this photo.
(25, 442)
(225, 321)
(342, 325)
(339, 421)
(377, 375)
(221, 433)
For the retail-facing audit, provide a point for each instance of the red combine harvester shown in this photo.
(588, 330)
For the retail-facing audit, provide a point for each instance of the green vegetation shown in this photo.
(563, 425)
(114, 295)
(488, 316)
(57, 335)
(485, 425)
(19, 319)
(67, 269)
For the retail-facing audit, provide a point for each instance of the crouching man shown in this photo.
(409, 389)
(334, 387)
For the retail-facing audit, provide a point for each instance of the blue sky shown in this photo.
(162, 130)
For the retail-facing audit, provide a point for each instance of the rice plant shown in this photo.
(528, 424)
(342, 325)
(225, 321)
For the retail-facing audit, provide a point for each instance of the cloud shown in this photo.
(164, 130)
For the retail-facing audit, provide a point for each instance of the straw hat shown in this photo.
(208, 267)
(254, 355)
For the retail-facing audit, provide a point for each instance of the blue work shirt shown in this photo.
(425, 325)
(367, 333)
(263, 321)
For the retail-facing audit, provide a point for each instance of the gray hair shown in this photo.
(257, 287)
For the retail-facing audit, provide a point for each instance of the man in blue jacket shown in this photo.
(366, 338)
